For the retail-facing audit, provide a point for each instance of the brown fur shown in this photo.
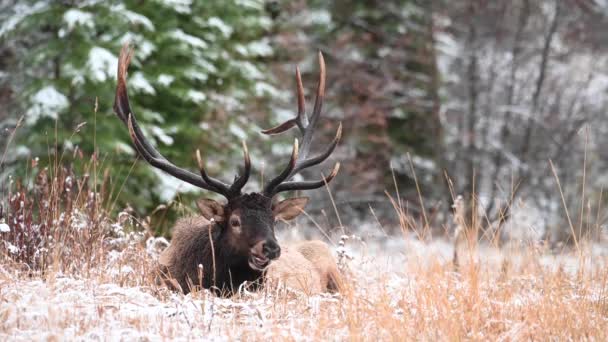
(191, 247)
(307, 266)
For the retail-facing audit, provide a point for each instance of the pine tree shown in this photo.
(196, 66)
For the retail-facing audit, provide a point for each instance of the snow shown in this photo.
(220, 25)
(165, 80)
(144, 47)
(140, 83)
(134, 17)
(265, 89)
(196, 96)
(168, 186)
(21, 11)
(196, 75)
(179, 6)
(237, 131)
(47, 102)
(160, 134)
(319, 17)
(4, 228)
(254, 4)
(74, 17)
(249, 70)
(11, 248)
(257, 48)
(101, 64)
(188, 39)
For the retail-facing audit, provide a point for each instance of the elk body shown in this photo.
(235, 242)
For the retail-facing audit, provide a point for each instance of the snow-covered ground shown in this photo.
(400, 289)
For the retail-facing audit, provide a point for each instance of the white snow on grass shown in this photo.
(47, 102)
(101, 64)
(4, 228)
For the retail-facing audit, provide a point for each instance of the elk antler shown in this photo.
(153, 157)
(299, 156)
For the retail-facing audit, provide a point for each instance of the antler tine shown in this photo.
(123, 110)
(321, 157)
(217, 185)
(302, 119)
(308, 185)
(316, 112)
(307, 129)
(121, 100)
(269, 189)
(240, 181)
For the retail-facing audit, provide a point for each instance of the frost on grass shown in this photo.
(4, 228)
(396, 290)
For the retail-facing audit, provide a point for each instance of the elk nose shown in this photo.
(271, 249)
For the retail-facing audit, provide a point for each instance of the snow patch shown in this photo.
(102, 64)
(258, 48)
(263, 88)
(165, 80)
(168, 186)
(220, 25)
(75, 17)
(179, 6)
(140, 83)
(160, 134)
(21, 11)
(196, 96)
(133, 17)
(237, 131)
(188, 39)
(144, 46)
(47, 102)
(4, 228)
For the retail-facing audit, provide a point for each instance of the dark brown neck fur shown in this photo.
(191, 247)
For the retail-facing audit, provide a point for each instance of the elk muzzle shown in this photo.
(262, 253)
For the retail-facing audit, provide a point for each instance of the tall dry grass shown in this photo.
(69, 270)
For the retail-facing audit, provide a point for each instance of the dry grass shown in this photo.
(79, 274)
(528, 295)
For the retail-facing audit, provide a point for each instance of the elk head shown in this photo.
(246, 220)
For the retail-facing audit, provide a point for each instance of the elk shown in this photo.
(234, 243)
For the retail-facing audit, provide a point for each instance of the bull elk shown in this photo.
(235, 242)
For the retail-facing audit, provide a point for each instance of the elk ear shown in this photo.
(289, 209)
(210, 209)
